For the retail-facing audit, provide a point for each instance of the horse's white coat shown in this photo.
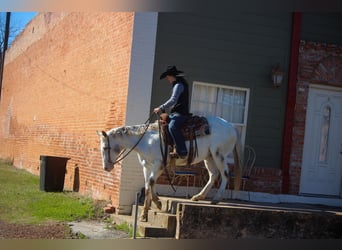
(213, 149)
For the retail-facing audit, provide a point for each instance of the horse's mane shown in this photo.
(133, 130)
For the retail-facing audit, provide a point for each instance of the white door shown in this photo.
(322, 154)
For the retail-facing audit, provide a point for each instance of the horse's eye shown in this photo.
(117, 148)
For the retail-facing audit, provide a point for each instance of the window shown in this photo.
(230, 103)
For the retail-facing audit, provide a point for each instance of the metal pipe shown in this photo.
(290, 102)
(136, 214)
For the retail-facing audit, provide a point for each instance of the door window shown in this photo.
(323, 150)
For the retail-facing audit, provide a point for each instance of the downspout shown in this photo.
(291, 100)
(7, 27)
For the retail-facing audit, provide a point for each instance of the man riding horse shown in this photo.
(179, 104)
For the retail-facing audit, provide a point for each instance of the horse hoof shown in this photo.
(159, 205)
(143, 218)
(195, 198)
(214, 202)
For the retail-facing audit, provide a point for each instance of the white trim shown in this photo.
(325, 87)
(138, 100)
(141, 68)
(219, 85)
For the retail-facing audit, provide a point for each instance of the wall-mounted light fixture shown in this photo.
(277, 76)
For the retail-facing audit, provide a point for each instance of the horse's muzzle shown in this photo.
(108, 168)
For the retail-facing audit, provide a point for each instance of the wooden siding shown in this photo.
(322, 27)
(236, 50)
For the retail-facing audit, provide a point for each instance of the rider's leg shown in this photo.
(176, 121)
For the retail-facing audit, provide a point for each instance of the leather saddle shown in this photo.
(193, 127)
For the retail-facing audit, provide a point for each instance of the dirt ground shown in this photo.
(46, 231)
(93, 229)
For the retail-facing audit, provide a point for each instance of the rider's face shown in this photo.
(171, 79)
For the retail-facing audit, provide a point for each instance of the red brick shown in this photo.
(63, 87)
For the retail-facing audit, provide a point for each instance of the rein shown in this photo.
(164, 155)
(121, 155)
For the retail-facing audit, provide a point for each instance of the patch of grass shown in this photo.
(21, 201)
(126, 228)
(81, 236)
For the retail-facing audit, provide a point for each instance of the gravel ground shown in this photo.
(95, 230)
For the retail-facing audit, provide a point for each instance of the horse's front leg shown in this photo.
(155, 173)
(151, 174)
(148, 200)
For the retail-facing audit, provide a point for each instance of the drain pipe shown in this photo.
(291, 101)
(137, 195)
(7, 27)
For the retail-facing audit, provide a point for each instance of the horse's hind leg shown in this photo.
(213, 174)
(222, 165)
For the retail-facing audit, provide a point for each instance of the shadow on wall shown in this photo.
(76, 185)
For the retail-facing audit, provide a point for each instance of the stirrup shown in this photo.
(173, 155)
(176, 156)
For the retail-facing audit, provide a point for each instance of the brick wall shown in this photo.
(318, 63)
(65, 77)
(267, 180)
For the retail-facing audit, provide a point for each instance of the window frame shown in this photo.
(242, 126)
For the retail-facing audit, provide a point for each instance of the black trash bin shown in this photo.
(52, 173)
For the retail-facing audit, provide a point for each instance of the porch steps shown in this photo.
(184, 219)
(161, 223)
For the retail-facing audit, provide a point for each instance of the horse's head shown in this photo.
(109, 151)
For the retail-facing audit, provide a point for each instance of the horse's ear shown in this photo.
(102, 133)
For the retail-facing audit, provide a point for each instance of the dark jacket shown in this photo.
(182, 105)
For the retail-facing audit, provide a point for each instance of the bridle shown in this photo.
(109, 148)
(122, 155)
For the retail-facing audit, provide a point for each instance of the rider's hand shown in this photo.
(156, 110)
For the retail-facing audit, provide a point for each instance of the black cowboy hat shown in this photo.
(170, 71)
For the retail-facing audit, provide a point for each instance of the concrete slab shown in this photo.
(250, 220)
(95, 230)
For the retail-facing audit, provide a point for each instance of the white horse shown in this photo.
(213, 149)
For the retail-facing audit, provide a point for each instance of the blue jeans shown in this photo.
(176, 122)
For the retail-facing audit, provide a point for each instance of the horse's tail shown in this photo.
(238, 161)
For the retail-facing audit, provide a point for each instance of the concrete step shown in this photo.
(235, 219)
(144, 229)
(169, 204)
(159, 224)
(157, 218)
(153, 231)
